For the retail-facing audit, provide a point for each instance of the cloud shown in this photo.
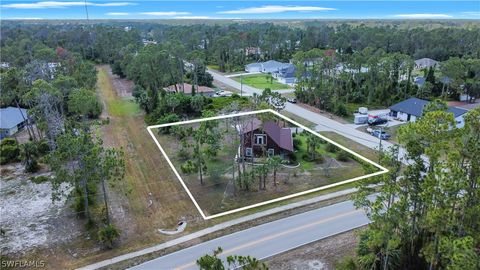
(165, 13)
(58, 4)
(117, 13)
(274, 9)
(423, 16)
(28, 18)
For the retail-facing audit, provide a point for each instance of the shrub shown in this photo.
(43, 147)
(292, 157)
(331, 148)
(39, 179)
(343, 156)
(297, 143)
(340, 109)
(107, 235)
(188, 167)
(9, 151)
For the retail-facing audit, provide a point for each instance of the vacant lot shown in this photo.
(320, 255)
(217, 186)
(261, 81)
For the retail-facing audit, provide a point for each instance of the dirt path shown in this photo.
(143, 201)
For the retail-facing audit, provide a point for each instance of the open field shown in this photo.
(217, 187)
(261, 81)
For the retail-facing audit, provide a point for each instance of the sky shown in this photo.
(197, 9)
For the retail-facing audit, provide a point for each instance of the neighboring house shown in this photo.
(148, 42)
(419, 81)
(286, 75)
(425, 63)
(253, 67)
(412, 108)
(283, 72)
(342, 68)
(12, 120)
(269, 139)
(5, 65)
(253, 51)
(272, 66)
(186, 88)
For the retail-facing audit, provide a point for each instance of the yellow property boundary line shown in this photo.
(149, 128)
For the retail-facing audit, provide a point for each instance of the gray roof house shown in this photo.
(425, 63)
(273, 66)
(286, 75)
(420, 81)
(253, 67)
(412, 108)
(12, 120)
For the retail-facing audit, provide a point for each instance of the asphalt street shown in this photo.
(270, 238)
(323, 123)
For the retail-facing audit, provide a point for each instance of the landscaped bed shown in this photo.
(261, 81)
(210, 155)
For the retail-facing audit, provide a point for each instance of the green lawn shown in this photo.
(123, 107)
(261, 81)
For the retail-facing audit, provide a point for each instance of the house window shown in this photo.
(270, 152)
(260, 139)
(248, 152)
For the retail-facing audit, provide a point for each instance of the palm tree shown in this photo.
(274, 163)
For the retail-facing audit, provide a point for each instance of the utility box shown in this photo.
(360, 119)
(362, 110)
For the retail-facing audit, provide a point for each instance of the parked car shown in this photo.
(376, 121)
(292, 100)
(381, 134)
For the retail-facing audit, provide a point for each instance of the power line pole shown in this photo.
(241, 85)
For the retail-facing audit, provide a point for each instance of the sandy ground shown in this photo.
(320, 255)
(29, 218)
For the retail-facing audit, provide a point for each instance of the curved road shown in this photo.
(270, 238)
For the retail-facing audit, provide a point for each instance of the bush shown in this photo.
(108, 235)
(43, 147)
(9, 151)
(39, 179)
(188, 167)
(292, 157)
(331, 148)
(297, 143)
(340, 109)
(343, 155)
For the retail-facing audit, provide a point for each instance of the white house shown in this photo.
(411, 109)
(425, 63)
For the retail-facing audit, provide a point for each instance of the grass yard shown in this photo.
(116, 106)
(262, 81)
(354, 146)
(221, 192)
(298, 119)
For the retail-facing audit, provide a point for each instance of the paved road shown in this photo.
(269, 239)
(323, 123)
